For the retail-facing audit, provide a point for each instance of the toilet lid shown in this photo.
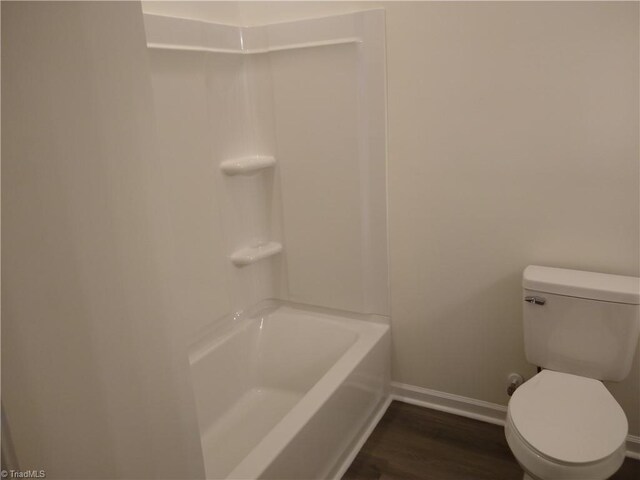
(568, 418)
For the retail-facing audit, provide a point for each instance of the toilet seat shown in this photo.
(568, 419)
(539, 467)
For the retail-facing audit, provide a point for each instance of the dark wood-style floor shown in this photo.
(412, 443)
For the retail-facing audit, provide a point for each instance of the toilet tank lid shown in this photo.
(576, 283)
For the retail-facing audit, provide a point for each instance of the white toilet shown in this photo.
(581, 327)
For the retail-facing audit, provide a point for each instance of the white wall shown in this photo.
(93, 386)
(513, 139)
(211, 11)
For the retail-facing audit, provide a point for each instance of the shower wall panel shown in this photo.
(316, 113)
(180, 88)
(309, 94)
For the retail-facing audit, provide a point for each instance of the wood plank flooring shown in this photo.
(415, 443)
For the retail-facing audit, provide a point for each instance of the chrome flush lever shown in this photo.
(535, 300)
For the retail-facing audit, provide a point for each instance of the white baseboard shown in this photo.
(471, 408)
(358, 444)
(447, 402)
(633, 447)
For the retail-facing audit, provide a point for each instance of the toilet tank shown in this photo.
(582, 323)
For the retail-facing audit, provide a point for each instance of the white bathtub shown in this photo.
(287, 393)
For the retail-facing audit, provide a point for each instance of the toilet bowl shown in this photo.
(566, 427)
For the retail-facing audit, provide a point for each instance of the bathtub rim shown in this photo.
(223, 328)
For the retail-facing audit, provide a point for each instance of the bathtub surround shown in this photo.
(513, 139)
(275, 161)
(281, 129)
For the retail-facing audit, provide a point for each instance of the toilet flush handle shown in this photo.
(535, 300)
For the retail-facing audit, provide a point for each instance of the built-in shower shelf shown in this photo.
(249, 255)
(247, 165)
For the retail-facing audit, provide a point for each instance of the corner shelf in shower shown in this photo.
(247, 165)
(249, 255)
